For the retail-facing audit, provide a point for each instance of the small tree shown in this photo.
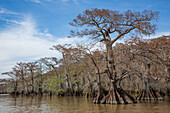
(23, 75)
(66, 62)
(14, 74)
(54, 85)
(31, 68)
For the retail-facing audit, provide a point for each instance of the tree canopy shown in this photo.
(99, 23)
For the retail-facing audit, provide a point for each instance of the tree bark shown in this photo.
(32, 80)
(115, 95)
(69, 89)
(16, 88)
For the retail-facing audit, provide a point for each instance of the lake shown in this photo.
(54, 104)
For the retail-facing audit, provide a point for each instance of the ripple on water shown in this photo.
(55, 104)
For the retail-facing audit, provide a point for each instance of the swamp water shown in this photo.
(55, 104)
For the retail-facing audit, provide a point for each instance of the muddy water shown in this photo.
(55, 104)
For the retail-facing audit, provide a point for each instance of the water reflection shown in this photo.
(46, 104)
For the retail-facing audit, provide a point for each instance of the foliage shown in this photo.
(54, 85)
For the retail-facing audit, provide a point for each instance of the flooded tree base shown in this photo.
(90, 95)
(117, 96)
(151, 94)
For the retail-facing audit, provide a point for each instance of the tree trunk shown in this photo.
(32, 80)
(68, 91)
(61, 84)
(40, 92)
(78, 92)
(167, 70)
(115, 95)
(92, 92)
(16, 88)
(149, 93)
(101, 91)
(23, 87)
(101, 94)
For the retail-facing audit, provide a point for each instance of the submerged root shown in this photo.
(150, 94)
(117, 96)
(98, 98)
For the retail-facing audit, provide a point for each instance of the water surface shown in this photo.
(55, 104)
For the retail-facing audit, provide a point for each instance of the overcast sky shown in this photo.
(28, 28)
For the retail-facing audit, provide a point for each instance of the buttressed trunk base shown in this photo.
(150, 94)
(114, 96)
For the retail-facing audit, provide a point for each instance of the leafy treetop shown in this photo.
(104, 22)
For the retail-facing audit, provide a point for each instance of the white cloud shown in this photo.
(160, 34)
(22, 41)
(74, 1)
(65, 0)
(36, 1)
(42, 2)
(156, 35)
(5, 11)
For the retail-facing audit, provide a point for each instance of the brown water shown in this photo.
(55, 104)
